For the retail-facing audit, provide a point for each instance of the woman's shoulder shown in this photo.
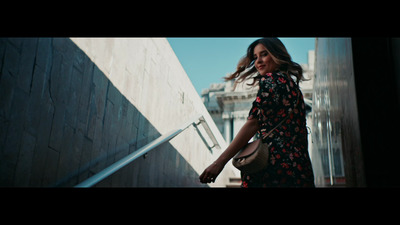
(276, 77)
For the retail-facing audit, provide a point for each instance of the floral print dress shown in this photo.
(289, 161)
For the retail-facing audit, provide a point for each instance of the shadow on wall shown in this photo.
(62, 120)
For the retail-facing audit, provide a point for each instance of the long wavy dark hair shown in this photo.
(245, 68)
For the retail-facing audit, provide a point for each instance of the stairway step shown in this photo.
(234, 182)
(233, 186)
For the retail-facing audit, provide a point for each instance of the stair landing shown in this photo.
(234, 182)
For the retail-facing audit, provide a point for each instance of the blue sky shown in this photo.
(208, 60)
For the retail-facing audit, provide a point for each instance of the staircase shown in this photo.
(234, 182)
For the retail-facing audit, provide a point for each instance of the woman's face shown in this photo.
(263, 61)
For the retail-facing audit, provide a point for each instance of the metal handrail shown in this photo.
(143, 150)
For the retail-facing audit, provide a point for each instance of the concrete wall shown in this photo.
(71, 107)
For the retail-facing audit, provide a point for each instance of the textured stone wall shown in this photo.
(71, 107)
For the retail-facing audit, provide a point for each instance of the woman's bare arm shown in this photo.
(246, 132)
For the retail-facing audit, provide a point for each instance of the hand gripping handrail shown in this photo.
(143, 150)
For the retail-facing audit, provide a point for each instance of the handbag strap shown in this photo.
(280, 123)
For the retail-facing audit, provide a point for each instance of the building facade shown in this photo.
(229, 108)
(356, 100)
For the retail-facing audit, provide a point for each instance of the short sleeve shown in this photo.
(254, 111)
(275, 99)
(264, 100)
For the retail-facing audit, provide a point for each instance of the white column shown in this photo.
(227, 129)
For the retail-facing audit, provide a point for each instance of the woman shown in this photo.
(289, 162)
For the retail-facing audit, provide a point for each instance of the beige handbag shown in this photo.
(254, 156)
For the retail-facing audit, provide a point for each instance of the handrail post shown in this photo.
(201, 136)
(209, 132)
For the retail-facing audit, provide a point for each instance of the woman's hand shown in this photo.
(245, 133)
(211, 173)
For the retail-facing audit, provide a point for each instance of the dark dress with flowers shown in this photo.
(289, 161)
